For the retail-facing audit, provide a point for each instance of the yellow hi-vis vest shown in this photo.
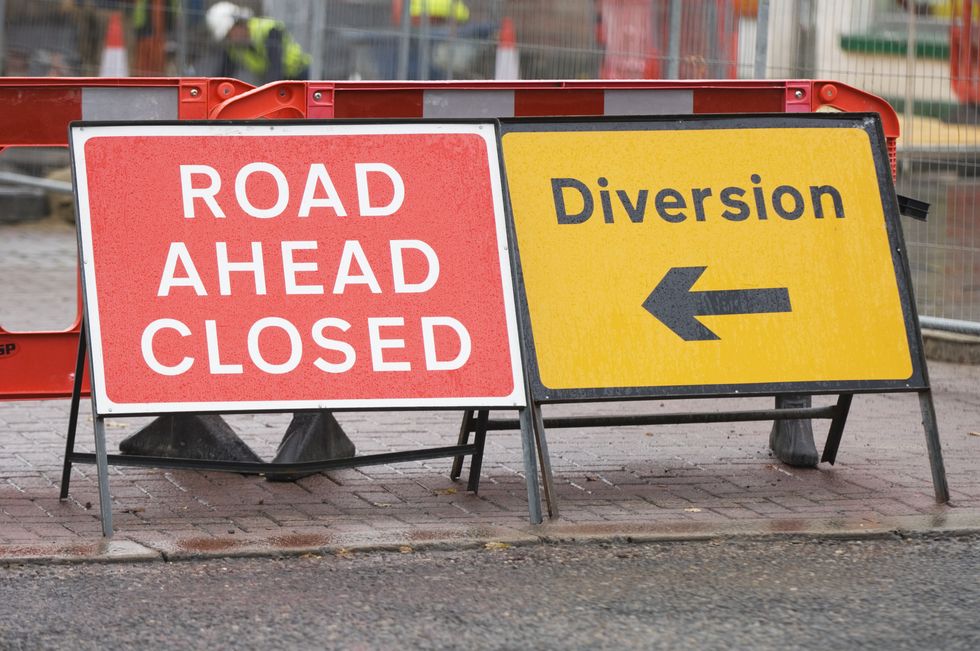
(441, 9)
(255, 59)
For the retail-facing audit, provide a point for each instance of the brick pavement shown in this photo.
(664, 481)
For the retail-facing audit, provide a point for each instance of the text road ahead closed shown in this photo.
(235, 267)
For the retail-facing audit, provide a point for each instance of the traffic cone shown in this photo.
(114, 62)
(508, 60)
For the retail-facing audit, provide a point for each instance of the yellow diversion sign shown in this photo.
(715, 256)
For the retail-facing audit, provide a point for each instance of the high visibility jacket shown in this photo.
(441, 9)
(255, 59)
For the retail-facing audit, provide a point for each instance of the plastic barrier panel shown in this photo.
(37, 111)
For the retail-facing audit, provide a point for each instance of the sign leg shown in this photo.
(464, 438)
(76, 396)
(935, 449)
(480, 439)
(530, 465)
(547, 479)
(837, 428)
(102, 464)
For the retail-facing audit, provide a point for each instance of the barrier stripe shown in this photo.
(442, 104)
(566, 101)
(378, 103)
(37, 116)
(731, 100)
(132, 103)
(648, 102)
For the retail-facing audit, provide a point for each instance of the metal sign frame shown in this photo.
(530, 421)
(87, 352)
(918, 381)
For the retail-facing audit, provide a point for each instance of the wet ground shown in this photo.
(892, 593)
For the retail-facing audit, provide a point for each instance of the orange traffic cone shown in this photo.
(508, 60)
(114, 62)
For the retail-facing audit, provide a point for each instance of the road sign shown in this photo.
(273, 266)
(720, 256)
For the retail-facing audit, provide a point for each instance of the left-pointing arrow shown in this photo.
(676, 306)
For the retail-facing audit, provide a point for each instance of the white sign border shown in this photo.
(81, 133)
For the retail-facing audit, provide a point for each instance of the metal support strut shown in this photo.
(935, 449)
(76, 396)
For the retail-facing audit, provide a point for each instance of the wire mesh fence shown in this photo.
(922, 56)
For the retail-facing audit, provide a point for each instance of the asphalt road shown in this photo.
(875, 594)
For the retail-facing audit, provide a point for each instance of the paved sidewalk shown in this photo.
(679, 481)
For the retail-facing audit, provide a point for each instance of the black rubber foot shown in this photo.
(313, 436)
(189, 436)
(792, 440)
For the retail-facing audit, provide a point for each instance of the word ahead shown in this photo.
(301, 266)
(673, 302)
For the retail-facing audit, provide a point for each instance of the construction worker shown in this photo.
(256, 47)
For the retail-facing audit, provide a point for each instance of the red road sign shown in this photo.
(269, 266)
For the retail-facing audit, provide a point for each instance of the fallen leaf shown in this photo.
(496, 546)
(445, 491)
(343, 552)
(405, 549)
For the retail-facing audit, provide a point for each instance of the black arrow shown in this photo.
(675, 305)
